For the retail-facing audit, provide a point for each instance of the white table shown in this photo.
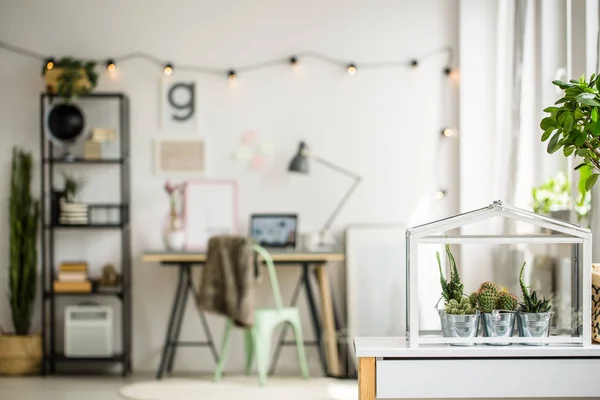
(388, 369)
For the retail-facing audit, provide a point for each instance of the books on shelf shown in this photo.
(73, 278)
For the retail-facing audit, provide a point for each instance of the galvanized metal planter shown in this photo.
(535, 325)
(498, 324)
(578, 238)
(462, 326)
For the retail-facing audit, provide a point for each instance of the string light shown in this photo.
(352, 69)
(414, 63)
(440, 194)
(448, 70)
(293, 61)
(447, 132)
(110, 65)
(168, 69)
(231, 75)
(49, 63)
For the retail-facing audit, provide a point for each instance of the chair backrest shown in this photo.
(264, 254)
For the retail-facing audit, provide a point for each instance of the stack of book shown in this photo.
(73, 213)
(73, 278)
(101, 144)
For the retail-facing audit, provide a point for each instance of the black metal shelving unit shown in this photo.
(52, 357)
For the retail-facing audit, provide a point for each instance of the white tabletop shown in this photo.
(396, 347)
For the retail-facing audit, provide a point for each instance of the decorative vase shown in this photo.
(498, 324)
(20, 354)
(462, 326)
(534, 325)
(175, 240)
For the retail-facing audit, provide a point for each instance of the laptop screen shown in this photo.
(274, 230)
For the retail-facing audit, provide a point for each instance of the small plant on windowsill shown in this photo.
(573, 126)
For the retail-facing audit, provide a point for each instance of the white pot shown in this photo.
(175, 240)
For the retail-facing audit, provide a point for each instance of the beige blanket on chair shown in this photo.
(228, 277)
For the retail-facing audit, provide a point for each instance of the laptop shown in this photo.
(275, 231)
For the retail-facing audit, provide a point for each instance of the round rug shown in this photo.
(246, 388)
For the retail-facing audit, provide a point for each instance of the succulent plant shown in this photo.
(474, 298)
(506, 301)
(531, 303)
(487, 295)
(462, 307)
(453, 289)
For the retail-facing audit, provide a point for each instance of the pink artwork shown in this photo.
(253, 151)
(249, 137)
(257, 162)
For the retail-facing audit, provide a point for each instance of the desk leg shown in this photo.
(179, 294)
(333, 361)
(366, 378)
(180, 315)
(314, 315)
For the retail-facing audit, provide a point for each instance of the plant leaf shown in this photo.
(589, 99)
(578, 114)
(547, 134)
(580, 140)
(548, 123)
(568, 122)
(552, 143)
(590, 182)
(580, 165)
(550, 109)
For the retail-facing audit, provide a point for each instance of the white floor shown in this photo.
(107, 388)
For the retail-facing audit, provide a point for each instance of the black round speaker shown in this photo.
(65, 122)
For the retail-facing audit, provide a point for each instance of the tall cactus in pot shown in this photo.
(24, 221)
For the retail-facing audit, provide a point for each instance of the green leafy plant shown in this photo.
(453, 289)
(572, 124)
(74, 77)
(72, 186)
(555, 194)
(24, 221)
(531, 303)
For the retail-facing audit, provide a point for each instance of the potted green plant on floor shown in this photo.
(21, 352)
(459, 317)
(497, 308)
(534, 313)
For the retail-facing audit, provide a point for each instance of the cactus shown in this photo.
(452, 290)
(474, 299)
(24, 220)
(487, 296)
(506, 301)
(531, 303)
(462, 307)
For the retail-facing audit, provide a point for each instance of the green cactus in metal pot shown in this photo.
(506, 301)
(453, 289)
(487, 295)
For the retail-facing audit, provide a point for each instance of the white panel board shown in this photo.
(375, 264)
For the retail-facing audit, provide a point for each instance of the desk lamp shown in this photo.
(300, 164)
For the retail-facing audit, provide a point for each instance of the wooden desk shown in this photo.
(325, 331)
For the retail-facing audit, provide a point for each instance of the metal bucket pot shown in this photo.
(498, 324)
(443, 322)
(462, 326)
(534, 325)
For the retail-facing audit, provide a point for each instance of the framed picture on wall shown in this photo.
(179, 104)
(180, 156)
(211, 208)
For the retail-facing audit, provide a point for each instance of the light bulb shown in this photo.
(352, 69)
(168, 69)
(231, 75)
(49, 64)
(447, 132)
(440, 194)
(448, 70)
(414, 63)
(111, 66)
(293, 61)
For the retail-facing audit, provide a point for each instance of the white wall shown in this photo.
(383, 124)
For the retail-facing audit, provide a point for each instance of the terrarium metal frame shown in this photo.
(580, 239)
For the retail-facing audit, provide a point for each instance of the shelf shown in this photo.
(117, 293)
(79, 160)
(494, 239)
(95, 95)
(119, 357)
(89, 226)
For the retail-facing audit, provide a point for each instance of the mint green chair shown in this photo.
(258, 338)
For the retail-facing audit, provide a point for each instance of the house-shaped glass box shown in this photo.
(577, 237)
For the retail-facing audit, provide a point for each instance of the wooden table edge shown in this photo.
(277, 257)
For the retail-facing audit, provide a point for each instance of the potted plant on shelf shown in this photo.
(69, 77)
(573, 126)
(175, 235)
(534, 313)
(21, 352)
(497, 308)
(460, 317)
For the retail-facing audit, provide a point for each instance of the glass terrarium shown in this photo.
(489, 315)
